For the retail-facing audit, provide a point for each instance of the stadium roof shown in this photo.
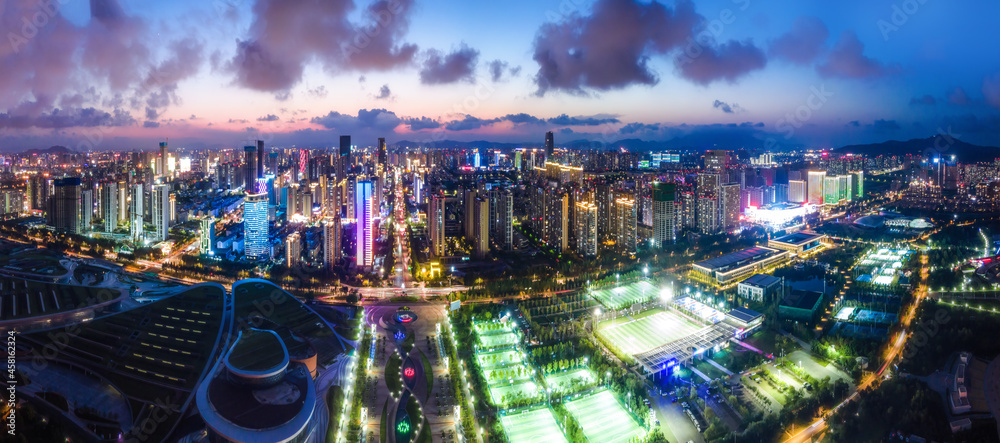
(761, 280)
(798, 238)
(736, 258)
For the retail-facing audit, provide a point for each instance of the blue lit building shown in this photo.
(255, 226)
(365, 224)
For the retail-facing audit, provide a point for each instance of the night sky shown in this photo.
(123, 75)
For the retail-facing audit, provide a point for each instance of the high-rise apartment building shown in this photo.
(814, 187)
(109, 206)
(435, 223)
(664, 214)
(293, 249)
(207, 235)
(64, 206)
(161, 212)
(586, 229)
(86, 210)
(331, 241)
(625, 224)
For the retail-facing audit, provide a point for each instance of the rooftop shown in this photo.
(745, 315)
(736, 258)
(798, 238)
(761, 280)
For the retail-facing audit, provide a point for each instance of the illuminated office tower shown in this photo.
(845, 188)
(161, 212)
(344, 157)
(664, 216)
(550, 145)
(814, 187)
(136, 212)
(625, 224)
(260, 159)
(331, 241)
(382, 154)
(255, 227)
(207, 235)
(586, 229)
(831, 190)
(364, 224)
(797, 191)
(86, 210)
(435, 222)
(293, 249)
(858, 183)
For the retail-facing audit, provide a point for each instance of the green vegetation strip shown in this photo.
(391, 376)
(428, 372)
(335, 403)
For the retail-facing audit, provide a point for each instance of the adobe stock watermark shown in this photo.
(923, 333)
(32, 24)
(714, 29)
(817, 98)
(943, 142)
(899, 16)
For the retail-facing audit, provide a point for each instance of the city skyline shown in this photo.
(110, 75)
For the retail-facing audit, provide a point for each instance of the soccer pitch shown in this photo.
(628, 295)
(652, 331)
(537, 426)
(524, 387)
(603, 418)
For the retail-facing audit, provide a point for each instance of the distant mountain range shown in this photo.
(938, 145)
(50, 150)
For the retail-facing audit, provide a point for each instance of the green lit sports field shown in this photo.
(648, 332)
(604, 419)
(627, 295)
(537, 426)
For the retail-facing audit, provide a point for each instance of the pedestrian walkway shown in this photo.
(720, 367)
(698, 373)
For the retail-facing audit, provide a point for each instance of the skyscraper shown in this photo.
(109, 206)
(664, 217)
(260, 159)
(586, 229)
(625, 224)
(550, 145)
(86, 210)
(435, 223)
(249, 167)
(481, 223)
(207, 235)
(502, 218)
(331, 241)
(797, 191)
(38, 192)
(161, 163)
(730, 206)
(708, 194)
(255, 227)
(64, 206)
(344, 159)
(136, 212)
(382, 153)
(161, 212)
(293, 249)
(814, 189)
(364, 235)
(716, 159)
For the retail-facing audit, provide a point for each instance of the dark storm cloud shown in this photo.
(268, 118)
(726, 107)
(885, 126)
(149, 124)
(924, 100)
(612, 47)
(523, 118)
(847, 60)
(287, 34)
(803, 43)
(565, 120)
(459, 65)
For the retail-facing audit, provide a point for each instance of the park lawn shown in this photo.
(497, 340)
(562, 381)
(538, 425)
(524, 386)
(649, 332)
(710, 371)
(504, 358)
(604, 419)
(772, 391)
(765, 341)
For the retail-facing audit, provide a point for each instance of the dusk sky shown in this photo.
(122, 75)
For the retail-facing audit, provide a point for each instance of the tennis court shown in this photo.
(502, 358)
(497, 340)
(536, 426)
(503, 393)
(628, 295)
(636, 336)
(604, 419)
